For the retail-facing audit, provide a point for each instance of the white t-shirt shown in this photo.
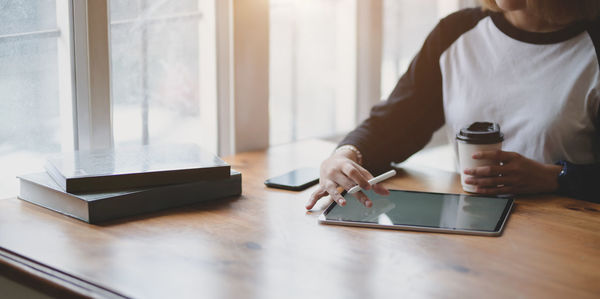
(543, 89)
(544, 95)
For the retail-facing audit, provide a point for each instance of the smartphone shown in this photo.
(295, 180)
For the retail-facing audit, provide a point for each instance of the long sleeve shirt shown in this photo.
(542, 88)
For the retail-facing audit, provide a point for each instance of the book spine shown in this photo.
(147, 179)
(160, 198)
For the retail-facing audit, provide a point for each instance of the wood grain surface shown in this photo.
(264, 245)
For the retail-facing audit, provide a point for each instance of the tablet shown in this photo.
(424, 211)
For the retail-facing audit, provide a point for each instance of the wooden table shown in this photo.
(264, 245)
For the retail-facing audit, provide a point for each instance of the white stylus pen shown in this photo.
(373, 181)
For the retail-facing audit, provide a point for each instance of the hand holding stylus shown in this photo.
(341, 171)
(374, 181)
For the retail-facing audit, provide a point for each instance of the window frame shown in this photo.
(369, 43)
(91, 79)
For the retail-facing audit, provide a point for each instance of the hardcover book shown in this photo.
(134, 167)
(40, 189)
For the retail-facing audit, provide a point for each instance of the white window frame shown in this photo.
(369, 43)
(242, 75)
(65, 74)
(91, 70)
(250, 74)
(224, 69)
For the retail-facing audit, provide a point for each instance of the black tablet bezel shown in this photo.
(497, 230)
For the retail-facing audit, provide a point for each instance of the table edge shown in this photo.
(49, 280)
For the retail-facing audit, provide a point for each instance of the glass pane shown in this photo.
(406, 24)
(312, 68)
(31, 123)
(26, 16)
(157, 71)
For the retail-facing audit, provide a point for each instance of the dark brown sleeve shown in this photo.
(404, 123)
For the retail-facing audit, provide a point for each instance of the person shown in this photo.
(531, 66)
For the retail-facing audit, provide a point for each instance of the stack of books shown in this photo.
(96, 186)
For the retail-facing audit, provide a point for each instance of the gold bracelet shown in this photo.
(352, 148)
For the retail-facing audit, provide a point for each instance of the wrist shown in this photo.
(350, 152)
(562, 178)
(553, 172)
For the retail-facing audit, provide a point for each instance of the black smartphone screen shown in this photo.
(296, 180)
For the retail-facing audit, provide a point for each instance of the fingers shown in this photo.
(345, 173)
(329, 188)
(362, 177)
(365, 173)
(490, 181)
(334, 193)
(379, 189)
(364, 199)
(347, 183)
(494, 179)
(352, 171)
(498, 155)
(488, 171)
(320, 193)
(343, 181)
(497, 190)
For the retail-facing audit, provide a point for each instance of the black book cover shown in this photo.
(134, 167)
(40, 189)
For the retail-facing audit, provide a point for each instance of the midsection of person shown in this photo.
(542, 93)
(531, 66)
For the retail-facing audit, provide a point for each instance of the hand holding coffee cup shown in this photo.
(478, 137)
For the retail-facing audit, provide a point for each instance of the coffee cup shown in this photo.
(478, 137)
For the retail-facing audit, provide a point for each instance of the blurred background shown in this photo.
(158, 78)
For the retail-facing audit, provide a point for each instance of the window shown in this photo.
(157, 66)
(406, 25)
(35, 111)
(179, 68)
(313, 59)
(163, 77)
(312, 68)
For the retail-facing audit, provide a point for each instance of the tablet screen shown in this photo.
(433, 210)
